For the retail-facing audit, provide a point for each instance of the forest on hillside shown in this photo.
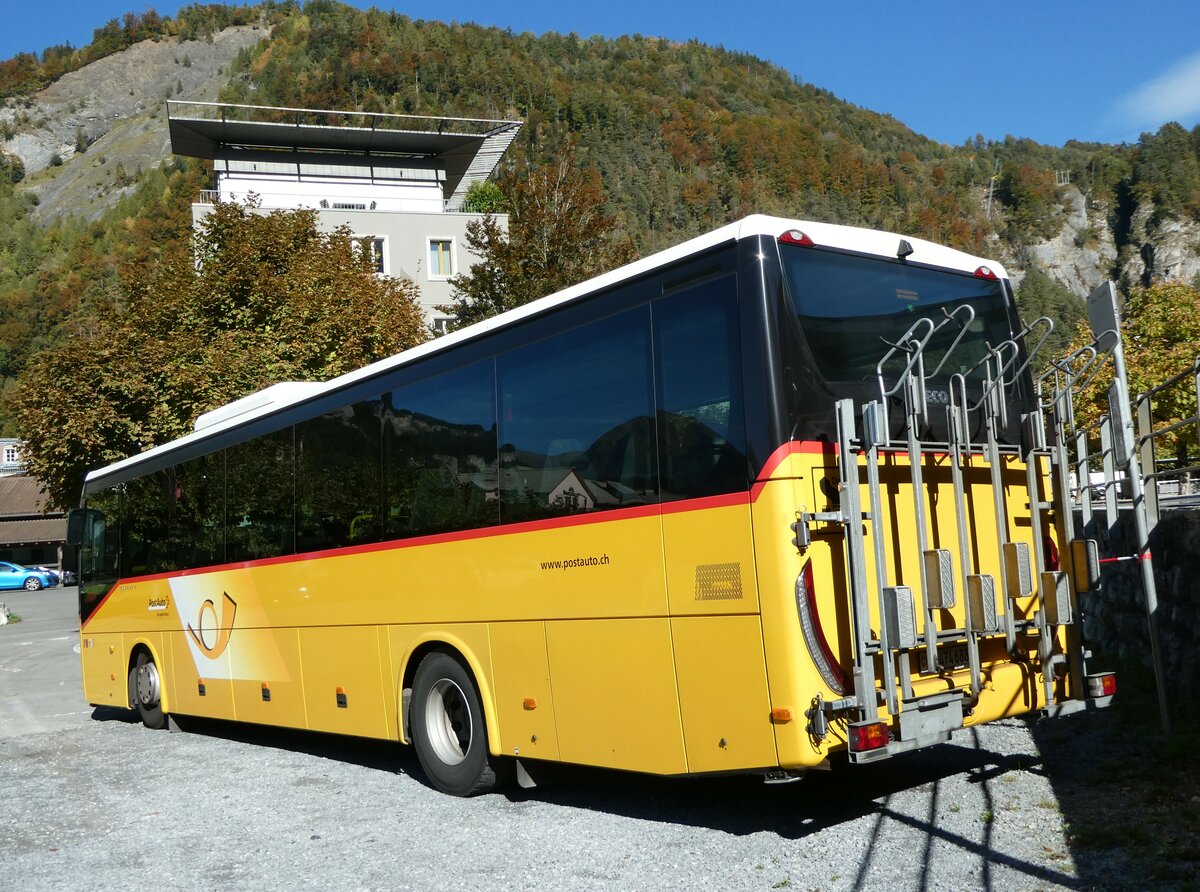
(683, 137)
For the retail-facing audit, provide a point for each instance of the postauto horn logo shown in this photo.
(212, 630)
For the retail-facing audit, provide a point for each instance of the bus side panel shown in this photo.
(524, 700)
(468, 639)
(185, 676)
(710, 561)
(270, 657)
(723, 693)
(617, 704)
(105, 671)
(348, 659)
(793, 678)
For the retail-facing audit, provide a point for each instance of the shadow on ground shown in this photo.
(1129, 796)
(738, 805)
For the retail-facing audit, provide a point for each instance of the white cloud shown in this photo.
(1172, 96)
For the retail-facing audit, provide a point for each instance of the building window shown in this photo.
(441, 258)
(11, 455)
(441, 324)
(376, 249)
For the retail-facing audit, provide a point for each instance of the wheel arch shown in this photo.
(457, 647)
(145, 644)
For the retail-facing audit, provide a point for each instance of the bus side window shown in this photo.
(260, 497)
(145, 507)
(338, 477)
(197, 518)
(439, 446)
(576, 422)
(701, 422)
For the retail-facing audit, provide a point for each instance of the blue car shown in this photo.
(29, 578)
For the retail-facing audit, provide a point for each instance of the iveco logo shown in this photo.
(938, 397)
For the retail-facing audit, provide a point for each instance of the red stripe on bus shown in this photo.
(704, 503)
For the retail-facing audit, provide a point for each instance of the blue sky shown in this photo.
(1098, 71)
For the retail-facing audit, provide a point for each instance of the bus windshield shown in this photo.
(851, 308)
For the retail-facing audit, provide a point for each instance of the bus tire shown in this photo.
(448, 729)
(145, 691)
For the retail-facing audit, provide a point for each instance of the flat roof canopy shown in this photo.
(467, 149)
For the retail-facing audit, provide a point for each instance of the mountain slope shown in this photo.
(113, 109)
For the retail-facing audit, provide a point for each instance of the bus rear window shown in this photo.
(852, 308)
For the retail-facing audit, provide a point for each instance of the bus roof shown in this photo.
(287, 394)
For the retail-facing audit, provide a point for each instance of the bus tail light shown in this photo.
(1103, 684)
(814, 635)
(1052, 561)
(796, 237)
(985, 272)
(866, 736)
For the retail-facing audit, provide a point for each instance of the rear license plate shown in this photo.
(953, 656)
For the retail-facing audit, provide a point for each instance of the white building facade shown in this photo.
(396, 181)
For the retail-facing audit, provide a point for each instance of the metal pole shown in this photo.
(1133, 472)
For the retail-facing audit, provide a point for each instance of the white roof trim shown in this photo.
(281, 396)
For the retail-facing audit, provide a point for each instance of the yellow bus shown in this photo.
(753, 502)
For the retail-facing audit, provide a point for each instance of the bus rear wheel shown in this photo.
(145, 691)
(448, 729)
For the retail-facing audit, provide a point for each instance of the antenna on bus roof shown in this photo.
(905, 249)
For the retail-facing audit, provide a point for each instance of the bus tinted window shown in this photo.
(701, 424)
(197, 515)
(852, 308)
(440, 453)
(99, 565)
(576, 421)
(144, 511)
(259, 483)
(338, 478)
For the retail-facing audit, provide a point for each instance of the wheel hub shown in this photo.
(147, 685)
(448, 719)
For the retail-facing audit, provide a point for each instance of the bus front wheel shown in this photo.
(145, 691)
(448, 728)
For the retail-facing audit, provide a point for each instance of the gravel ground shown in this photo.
(105, 803)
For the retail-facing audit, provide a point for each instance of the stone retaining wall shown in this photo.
(1115, 618)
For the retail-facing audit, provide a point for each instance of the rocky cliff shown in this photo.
(115, 111)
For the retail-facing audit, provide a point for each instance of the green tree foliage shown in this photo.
(1031, 194)
(1039, 295)
(483, 197)
(12, 168)
(263, 298)
(558, 235)
(1166, 170)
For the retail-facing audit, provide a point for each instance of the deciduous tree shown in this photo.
(558, 235)
(257, 299)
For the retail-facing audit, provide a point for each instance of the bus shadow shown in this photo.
(744, 804)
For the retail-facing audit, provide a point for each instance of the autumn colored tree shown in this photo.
(1160, 329)
(558, 235)
(257, 299)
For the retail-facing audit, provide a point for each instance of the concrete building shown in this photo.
(11, 461)
(397, 181)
